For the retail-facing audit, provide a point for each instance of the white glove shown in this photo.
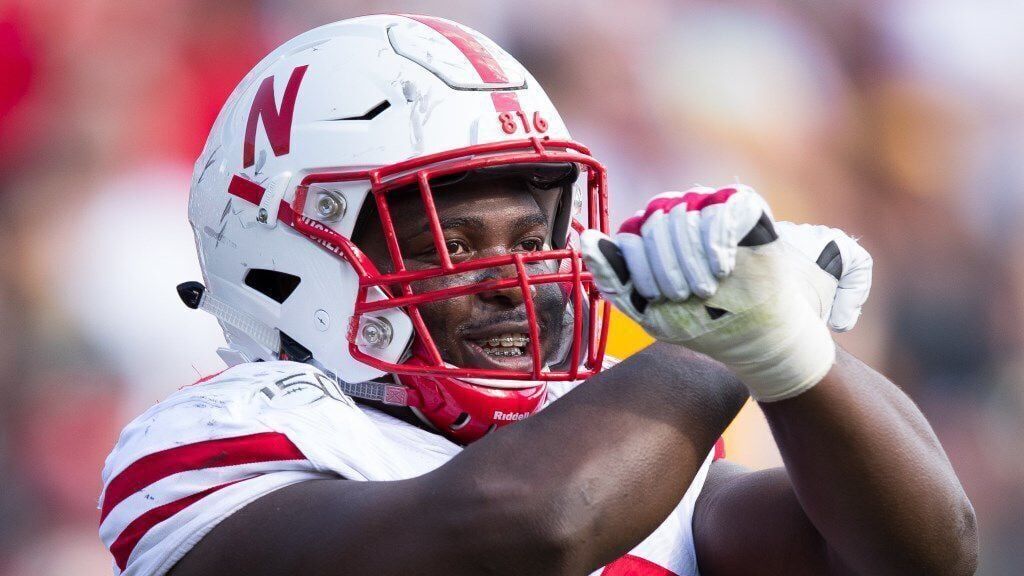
(842, 257)
(761, 304)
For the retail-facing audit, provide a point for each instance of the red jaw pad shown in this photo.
(465, 412)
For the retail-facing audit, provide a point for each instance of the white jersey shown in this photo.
(213, 447)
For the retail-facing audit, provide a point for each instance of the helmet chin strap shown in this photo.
(383, 392)
(398, 394)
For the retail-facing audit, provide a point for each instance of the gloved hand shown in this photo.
(759, 304)
(842, 257)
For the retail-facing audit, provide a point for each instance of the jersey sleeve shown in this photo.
(183, 466)
(208, 450)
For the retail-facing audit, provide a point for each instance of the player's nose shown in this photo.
(511, 295)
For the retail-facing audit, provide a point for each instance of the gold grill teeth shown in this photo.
(504, 352)
(506, 341)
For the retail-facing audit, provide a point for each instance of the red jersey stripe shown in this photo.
(484, 64)
(130, 536)
(262, 447)
(630, 565)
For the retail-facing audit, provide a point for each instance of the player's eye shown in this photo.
(530, 245)
(455, 247)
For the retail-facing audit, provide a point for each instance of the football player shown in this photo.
(408, 254)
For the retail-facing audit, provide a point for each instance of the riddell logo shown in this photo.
(509, 416)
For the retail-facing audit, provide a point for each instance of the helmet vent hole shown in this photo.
(277, 286)
(461, 421)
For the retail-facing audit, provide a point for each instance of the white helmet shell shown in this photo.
(352, 95)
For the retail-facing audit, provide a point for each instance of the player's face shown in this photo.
(480, 220)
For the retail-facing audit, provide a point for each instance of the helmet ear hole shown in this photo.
(277, 286)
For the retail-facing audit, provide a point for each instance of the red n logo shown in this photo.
(277, 124)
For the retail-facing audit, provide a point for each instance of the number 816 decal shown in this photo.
(509, 122)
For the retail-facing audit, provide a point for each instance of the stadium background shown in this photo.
(899, 121)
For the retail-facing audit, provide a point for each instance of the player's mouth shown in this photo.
(505, 345)
(506, 348)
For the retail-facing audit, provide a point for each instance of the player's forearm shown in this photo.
(563, 492)
(604, 465)
(872, 477)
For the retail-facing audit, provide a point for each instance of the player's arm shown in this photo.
(563, 492)
(867, 489)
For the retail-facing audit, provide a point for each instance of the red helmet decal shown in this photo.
(276, 123)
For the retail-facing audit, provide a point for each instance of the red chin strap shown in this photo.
(458, 408)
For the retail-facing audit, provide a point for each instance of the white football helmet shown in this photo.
(340, 116)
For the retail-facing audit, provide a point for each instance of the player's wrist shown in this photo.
(779, 350)
(795, 366)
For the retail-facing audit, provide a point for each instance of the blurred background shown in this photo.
(900, 121)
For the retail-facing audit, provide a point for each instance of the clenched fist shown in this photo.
(711, 270)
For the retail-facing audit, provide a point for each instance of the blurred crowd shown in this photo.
(900, 121)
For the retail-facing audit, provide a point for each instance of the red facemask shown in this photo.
(454, 399)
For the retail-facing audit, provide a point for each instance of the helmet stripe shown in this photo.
(505, 102)
(482, 60)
